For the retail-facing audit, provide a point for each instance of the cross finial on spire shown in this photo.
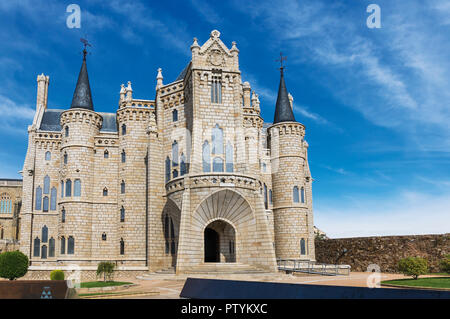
(86, 44)
(281, 59)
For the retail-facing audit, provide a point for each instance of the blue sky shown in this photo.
(375, 102)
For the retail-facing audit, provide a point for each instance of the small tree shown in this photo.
(413, 266)
(107, 270)
(57, 275)
(13, 264)
(445, 264)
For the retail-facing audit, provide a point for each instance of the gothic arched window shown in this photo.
(53, 199)
(174, 153)
(45, 204)
(270, 197)
(266, 206)
(124, 156)
(122, 247)
(182, 165)
(174, 115)
(122, 214)
(63, 215)
(68, 188)
(105, 191)
(217, 140)
(62, 189)
(38, 202)
(46, 184)
(302, 194)
(302, 246)
(229, 158)
(216, 90)
(104, 236)
(44, 252)
(51, 247)
(37, 247)
(206, 157)
(71, 245)
(218, 164)
(295, 194)
(124, 129)
(65, 158)
(44, 234)
(106, 154)
(167, 169)
(66, 131)
(122, 187)
(63, 245)
(48, 156)
(77, 188)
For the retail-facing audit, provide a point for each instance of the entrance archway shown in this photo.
(219, 242)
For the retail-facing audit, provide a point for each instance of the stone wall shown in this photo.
(384, 251)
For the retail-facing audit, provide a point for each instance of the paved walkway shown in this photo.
(170, 286)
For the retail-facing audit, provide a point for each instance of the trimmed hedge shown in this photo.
(57, 275)
(13, 264)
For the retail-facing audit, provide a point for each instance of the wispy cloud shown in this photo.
(206, 11)
(11, 111)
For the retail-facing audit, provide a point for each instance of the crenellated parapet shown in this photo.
(134, 113)
(81, 116)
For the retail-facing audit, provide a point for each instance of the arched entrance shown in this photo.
(219, 242)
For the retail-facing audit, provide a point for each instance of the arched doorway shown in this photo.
(219, 242)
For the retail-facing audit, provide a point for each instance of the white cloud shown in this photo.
(405, 213)
(11, 111)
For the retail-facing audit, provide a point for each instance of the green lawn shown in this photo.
(434, 282)
(97, 284)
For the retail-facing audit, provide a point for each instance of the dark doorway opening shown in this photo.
(212, 246)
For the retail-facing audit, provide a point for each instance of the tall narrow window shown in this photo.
(175, 153)
(122, 187)
(37, 247)
(45, 204)
(77, 188)
(106, 154)
(122, 214)
(206, 157)
(229, 157)
(104, 236)
(218, 164)
(174, 115)
(71, 245)
(38, 203)
(53, 199)
(266, 205)
(48, 156)
(124, 156)
(122, 247)
(216, 90)
(66, 131)
(63, 215)
(124, 129)
(295, 194)
(68, 188)
(46, 184)
(182, 164)
(166, 232)
(62, 189)
(51, 247)
(105, 191)
(270, 197)
(217, 140)
(302, 194)
(65, 158)
(302, 246)
(44, 252)
(63, 245)
(44, 234)
(167, 169)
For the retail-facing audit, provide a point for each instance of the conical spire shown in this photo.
(283, 110)
(82, 97)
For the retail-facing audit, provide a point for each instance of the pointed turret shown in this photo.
(82, 97)
(283, 109)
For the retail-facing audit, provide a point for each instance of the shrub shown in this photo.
(13, 264)
(413, 266)
(445, 264)
(57, 275)
(107, 270)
